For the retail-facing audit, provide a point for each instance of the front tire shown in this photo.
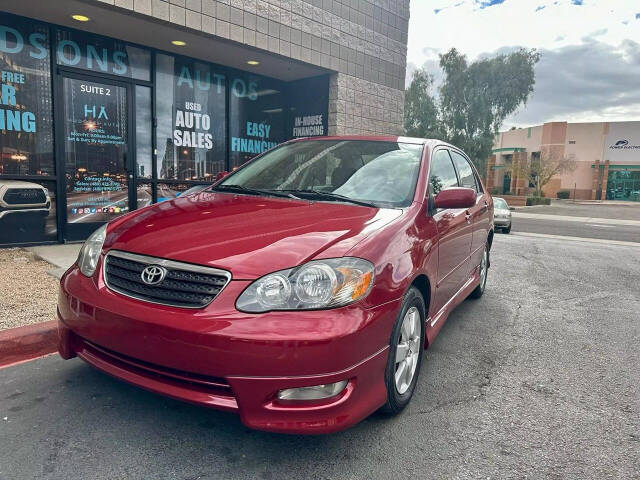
(483, 269)
(405, 352)
(507, 230)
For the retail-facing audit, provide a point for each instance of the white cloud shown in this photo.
(476, 29)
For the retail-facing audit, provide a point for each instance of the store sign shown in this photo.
(11, 118)
(102, 55)
(256, 139)
(14, 42)
(309, 114)
(622, 144)
(92, 58)
(308, 126)
(192, 127)
(97, 115)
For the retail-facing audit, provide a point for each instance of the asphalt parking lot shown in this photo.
(592, 229)
(538, 379)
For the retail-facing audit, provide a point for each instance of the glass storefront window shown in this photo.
(169, 191)
(103, 55)
(624, 185)
(26, 133)
(144, 128)
(96, 136)
(144, 195)
(256, 117)
(191, 112)
(308, 113)
(206, 119)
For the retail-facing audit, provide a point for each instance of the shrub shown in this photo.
(563, 194)
(495, 191)
(538, 201)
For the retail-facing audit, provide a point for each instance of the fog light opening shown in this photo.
(316, 392)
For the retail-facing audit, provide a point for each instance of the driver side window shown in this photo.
(442, 175)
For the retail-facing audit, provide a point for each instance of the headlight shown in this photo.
(318, 284)
(90, 251)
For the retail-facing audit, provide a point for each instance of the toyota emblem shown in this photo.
(153, 274)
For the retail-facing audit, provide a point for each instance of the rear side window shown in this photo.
(443, 175)
(465, 172)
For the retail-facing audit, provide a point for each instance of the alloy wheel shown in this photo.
(408, 350)
(483, 267)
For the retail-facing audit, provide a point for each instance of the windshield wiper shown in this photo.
(253, 191)
(330, 196)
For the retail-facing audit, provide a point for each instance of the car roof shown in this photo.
(370, 138)
(431, 142)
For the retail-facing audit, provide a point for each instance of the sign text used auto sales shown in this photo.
(192, 127)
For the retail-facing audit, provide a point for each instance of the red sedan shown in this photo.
(299, 291)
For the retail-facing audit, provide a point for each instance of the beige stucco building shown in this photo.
(606, 154)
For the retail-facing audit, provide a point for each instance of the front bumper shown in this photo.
(221, 358)
(41, 212)
(502, 222)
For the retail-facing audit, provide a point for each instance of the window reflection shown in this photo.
(257, 117)
(144, 194)
(143, 132)
(169, 191)
(443, 175)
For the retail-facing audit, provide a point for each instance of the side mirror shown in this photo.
(455, 197)
(221, 175)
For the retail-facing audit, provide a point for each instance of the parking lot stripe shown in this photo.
(601, 241)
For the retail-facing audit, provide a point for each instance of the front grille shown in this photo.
(24, 196)
(185, 285)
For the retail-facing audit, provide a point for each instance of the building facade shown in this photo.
(606, 155)
(112, 105)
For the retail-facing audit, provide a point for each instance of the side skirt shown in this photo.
(435, 322)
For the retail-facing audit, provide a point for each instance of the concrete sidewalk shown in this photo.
(60, 256)
(568, 218)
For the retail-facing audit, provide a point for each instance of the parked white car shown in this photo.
(501, 214)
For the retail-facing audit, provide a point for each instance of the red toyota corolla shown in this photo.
(300, 291)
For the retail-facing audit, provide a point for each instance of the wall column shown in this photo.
(514, 173)
(605, 179)
(522, 186)
(594, 181)
(490, 178)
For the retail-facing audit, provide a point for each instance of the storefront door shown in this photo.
(97, 139)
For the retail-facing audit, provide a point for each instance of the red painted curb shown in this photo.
(28, 342)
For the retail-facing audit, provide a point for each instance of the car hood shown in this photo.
(501, 211)
(247, 235)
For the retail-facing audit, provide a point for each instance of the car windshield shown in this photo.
(500, 204)
(381, 174)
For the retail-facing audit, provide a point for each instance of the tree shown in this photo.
(543, 167)
(474, 99)
(420, 109)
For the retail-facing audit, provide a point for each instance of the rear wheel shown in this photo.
(405, 352)
(483, 269)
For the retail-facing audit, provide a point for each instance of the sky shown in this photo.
(590, 51)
